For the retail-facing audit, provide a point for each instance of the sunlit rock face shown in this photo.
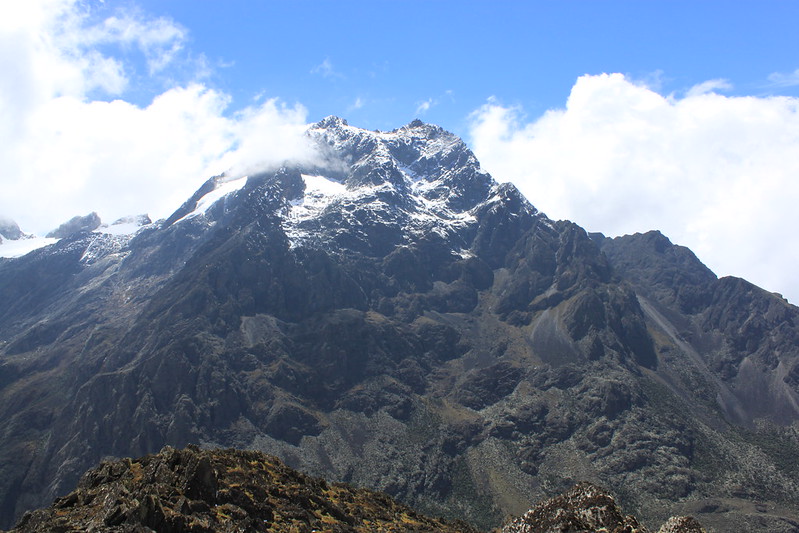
(393, 317)
(77, 224)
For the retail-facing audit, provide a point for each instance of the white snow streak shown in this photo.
(222, 189)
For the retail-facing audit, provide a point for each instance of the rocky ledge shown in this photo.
(193, 491)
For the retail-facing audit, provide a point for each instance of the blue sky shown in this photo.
(622, 116)
(376, 63)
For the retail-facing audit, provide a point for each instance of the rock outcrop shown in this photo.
(9, 230)
(681, 524)
(589, 508)
(76, 224)
(204, 491)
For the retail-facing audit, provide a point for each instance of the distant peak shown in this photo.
(140, 220)
(331, 122)
(9, 229)
(417, 124)
(125, 226)
(417, 129)
(77, 224)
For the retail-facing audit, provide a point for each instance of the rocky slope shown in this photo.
(193, 491)
(394, 318)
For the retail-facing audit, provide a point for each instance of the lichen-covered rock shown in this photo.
(586, 507)
(681, 524)
(204, 491)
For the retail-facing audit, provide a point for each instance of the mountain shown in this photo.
(391, 316)
(9, 230)
(77, 224)
(14, 243)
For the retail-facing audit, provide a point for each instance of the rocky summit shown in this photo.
(194, 491)
(391, 316)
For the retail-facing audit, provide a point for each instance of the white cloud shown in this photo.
(268, 135)
(326, 70)
(56, 43)
(357, 104)
(159, 39)
(715, 173)
(65, 153)
(425, 106)
(119, 159)
(651, 80)
(781, 79)
(709, 86)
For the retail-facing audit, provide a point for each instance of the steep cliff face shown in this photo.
(395, 318)
(743, 338)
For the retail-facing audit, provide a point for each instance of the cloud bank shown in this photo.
(71, 144)
(715, 173)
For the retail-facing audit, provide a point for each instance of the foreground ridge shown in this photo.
(193, 490)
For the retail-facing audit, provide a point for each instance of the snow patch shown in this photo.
(320, 185)
(124, 228)
(12, 249)
(223, 188)
(319, 193)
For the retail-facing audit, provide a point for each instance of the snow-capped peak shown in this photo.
(16, 243)
(415, 152)
(369, 189)
(20, 247)
(417, 179)
(9, 230)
